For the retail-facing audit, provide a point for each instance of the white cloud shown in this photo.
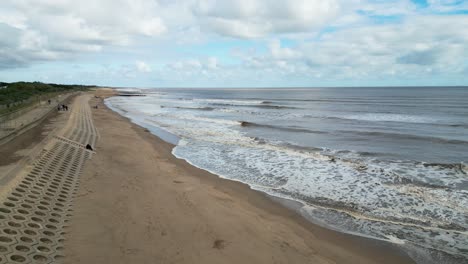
(212, 63)
(404, 50)
(196, 65)
(448, 5)
(59, 29)
(332, 39)
(143, 67)
(152, 27)
(279, 52)
(12, 18)
(387, 8)
(258, 18)
(189, 64)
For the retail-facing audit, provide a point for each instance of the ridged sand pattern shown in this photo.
(34, 213)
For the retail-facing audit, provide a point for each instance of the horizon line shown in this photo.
(286, 87)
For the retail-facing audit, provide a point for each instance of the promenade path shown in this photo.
(36, 202)
(28, 116)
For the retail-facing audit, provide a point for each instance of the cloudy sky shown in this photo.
(227, 43)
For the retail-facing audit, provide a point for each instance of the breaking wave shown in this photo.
(290, 129)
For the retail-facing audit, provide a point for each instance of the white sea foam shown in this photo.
(395, 240)
(229, 101)
(379, 117)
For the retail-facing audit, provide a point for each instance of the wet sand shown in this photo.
(139, 204)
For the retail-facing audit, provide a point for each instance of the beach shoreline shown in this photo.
(222, 219)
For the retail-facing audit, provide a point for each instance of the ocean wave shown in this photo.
(352, 152)
(359, 211)
(290, 147)
(426, 139)
(229, 101)
(261, 106)
(290, 129)
(204, 119)
(396, 179)
(459, 125)
(461, 167)
(386, 117)
(189, 108)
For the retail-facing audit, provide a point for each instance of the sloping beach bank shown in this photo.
(137, 203)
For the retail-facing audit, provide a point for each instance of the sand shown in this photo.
(139, 204)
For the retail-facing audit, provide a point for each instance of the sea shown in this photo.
(388, 163)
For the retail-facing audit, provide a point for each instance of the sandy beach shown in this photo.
(224, 131)
(137, 203)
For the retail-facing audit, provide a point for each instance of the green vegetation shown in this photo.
(20, 92)
(18, 95)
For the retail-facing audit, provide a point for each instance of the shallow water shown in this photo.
(385, 163)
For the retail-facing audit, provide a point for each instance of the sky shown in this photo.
(243, 43)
